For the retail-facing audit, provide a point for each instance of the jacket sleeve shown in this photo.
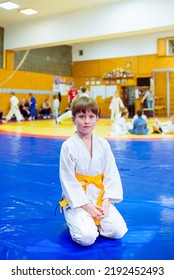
(72, 189)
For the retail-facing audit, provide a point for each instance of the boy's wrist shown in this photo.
(86, 206)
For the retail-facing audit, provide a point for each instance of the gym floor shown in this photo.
(30, 191)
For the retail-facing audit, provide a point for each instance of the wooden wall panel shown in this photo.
(161, 85)
(146, 64)
(113, 63)
(86, 69)
(80, 82)
(141, 66)
(161, 45)
(161, 90)
(28, 81)
(9, 60)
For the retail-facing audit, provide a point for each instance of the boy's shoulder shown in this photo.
(68, 140)
(100, 141)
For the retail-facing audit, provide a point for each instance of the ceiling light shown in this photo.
(9, 5)
(28, 12)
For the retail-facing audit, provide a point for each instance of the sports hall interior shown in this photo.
(86, 47)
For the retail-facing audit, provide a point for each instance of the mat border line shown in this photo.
(123, 138)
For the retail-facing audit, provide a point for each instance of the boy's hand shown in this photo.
(94, 210)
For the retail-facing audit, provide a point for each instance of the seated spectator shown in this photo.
(45, 109)
(164, 127)
(24, 108)
(139, 125)
(121, 126)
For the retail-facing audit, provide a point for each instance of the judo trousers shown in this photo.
(84, 231)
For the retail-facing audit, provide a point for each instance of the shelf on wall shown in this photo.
(121, 81)
(117, 78)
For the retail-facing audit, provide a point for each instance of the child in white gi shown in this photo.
(121, 126)
(116, 106)
(164, 127)
(14, 109)
(90, 179)
(55, 107)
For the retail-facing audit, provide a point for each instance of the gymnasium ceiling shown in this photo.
(70, 14)
(46, 9)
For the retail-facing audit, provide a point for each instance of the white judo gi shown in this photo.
(121, 127)
(75, 159)
(56, 104)
(167, 127)
(115, 107)
(14, 109)
(66, 115)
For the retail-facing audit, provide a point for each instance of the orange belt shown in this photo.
(97, 181)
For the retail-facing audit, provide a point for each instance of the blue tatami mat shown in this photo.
(30, 190)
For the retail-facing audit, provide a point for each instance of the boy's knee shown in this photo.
(115, 232)
(85, 238)
(120, 232)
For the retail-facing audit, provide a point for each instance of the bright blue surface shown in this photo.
(30, 190)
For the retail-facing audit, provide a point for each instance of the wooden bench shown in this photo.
(150, 112)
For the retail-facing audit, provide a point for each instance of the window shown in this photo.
(143, 82)
(170, 46)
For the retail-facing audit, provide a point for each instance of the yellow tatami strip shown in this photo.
(49, 128)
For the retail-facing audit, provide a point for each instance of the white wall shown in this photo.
(119, 47)
(107, 21)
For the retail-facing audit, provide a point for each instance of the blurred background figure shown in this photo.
(121, 126)
(1, 113)
(71, 94)
(45, 109)
(32, 104)
(24, 108)
(116, 106)
(149, 98)
(164, 127)
(139, 125)
(14, 109)
(56, 104)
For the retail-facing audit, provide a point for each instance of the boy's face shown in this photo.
(85, 122)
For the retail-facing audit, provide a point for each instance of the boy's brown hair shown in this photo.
(84, 104)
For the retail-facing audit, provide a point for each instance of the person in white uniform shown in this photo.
(14, 109)
(55, 107)
(66, 115)
(121, 126)
(116, 106)
(90, 180)
(164, 127)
